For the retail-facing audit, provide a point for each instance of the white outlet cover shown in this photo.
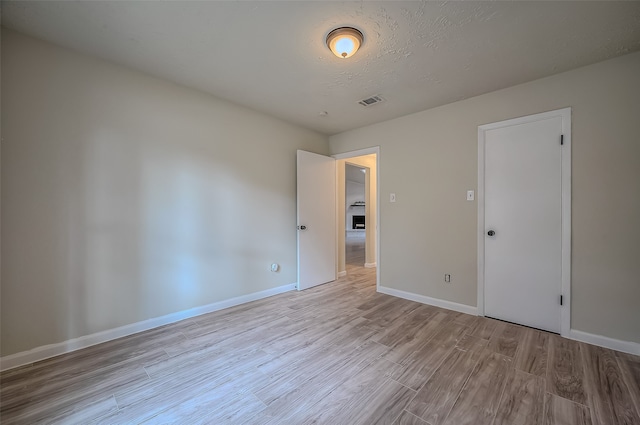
(392, 197)
(471, 195)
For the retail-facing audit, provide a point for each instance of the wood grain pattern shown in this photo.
(339, 353)
(565, 376)
(478, 402)
(421, 364)
(505, 339)
(560, 411)
(339, 402)
(531, 356)
(383, 405)
(609, 396)
(630, 369)
(407, 418)
(483, 327)
(522, 400)
(436, 398)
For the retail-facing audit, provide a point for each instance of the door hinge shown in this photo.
(561, 300)
(562, 139)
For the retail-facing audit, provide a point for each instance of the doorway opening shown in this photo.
(357, 211)
(355, 190)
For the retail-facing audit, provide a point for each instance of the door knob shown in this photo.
(302, 227)
(491, 233)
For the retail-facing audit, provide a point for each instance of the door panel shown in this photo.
(316, 219)
(523, 206)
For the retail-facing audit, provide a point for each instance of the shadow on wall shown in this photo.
(156, 229)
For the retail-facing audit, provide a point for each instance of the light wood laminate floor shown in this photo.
(335, 354)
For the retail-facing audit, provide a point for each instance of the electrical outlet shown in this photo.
(447, 278)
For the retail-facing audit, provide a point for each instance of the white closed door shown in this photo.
(316, 219)
(523, 223)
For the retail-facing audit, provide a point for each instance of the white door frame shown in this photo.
(565, 115)
(362, 152)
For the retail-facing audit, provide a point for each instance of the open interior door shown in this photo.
(316, 219)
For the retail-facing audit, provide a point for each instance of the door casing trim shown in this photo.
(565, 115)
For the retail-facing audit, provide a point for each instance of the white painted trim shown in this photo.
(342, 273)
(359, 152)
(565, 114)
(604, 341)
(370, 265)
(565, 311)
(480, 229)
(52, 350)
(362, 152)
(449, 305)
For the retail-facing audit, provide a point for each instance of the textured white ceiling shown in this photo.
(271, 56)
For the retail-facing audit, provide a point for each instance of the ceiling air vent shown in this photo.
(371, 101)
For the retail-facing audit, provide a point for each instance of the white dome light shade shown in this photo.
(344, 42)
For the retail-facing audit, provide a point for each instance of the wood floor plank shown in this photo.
(565, 374)
(385, 317)
(423, 362)
(337, 343)
(85, 414)
(211, 407)
(434, 400)
(328, 409)
(560, 411)
(402, 351)
(81, 362)
(522, 400)
(609, 396)
(465, 319)
(468, 342)
(531, 356)
(380, 406)
(505, 339)
(405, 331)
(162, 395)
(483, 327)
(630, 369)
(477, 404)
(60, 397)
(407, 418)
(303, 391)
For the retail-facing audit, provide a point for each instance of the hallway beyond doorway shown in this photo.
(355, 242)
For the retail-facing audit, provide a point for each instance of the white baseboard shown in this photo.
(342, 273)
(449, 305)
(52, 350)
(605, 341)
(370, 265)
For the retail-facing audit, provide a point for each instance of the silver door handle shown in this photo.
(491, 233)
(302, 227)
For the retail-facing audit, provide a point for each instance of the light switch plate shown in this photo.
(470, 195)
(392, 197)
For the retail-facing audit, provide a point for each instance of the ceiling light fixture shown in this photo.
(344, 42)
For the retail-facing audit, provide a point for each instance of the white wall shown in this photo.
(429, 160)
(126, 197)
